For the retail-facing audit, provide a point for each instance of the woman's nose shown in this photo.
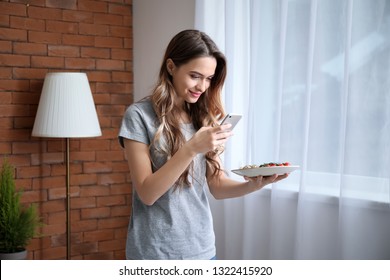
(201, 85)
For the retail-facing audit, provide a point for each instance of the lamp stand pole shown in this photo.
(68, 232)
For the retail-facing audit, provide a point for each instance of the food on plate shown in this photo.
(269, 164)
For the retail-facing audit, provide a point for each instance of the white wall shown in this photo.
(155, 22)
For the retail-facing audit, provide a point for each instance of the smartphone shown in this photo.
(232, 119)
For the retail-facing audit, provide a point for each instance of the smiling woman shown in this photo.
(171, 140)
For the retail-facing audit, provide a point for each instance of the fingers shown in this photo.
(265, 180)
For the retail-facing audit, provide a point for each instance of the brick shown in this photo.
(99, 212)
(79, 63)
(24, 147)
(27, 23)
(5, 98)
(121, 166)
(46, 158)
(94, 6)
(83, 179)
(61, 4)
(14, 85)
(13, 9)
(44, 13)
(28, 98)
(90, 191)
(36, 86)
(97, 167)
(127, 21)
(110, 200)
(29, 48)
(78, 40)
(85, 248)
(128, 43)
(61, 26)
(97, 76)
(95, 52)
(93, 29)
(14, 134)
(5, 46)
(107, 19)
(120, 233)
(123, 54)
(25, 185)
(47, 62)
(108, 42)
(5, 148)
(44, 37)
(105, 122)
(84, 225)
(57, 193)
(121, 99)
(54, 229)
(49, 182)
(84, 156)
(77, 16)
(4, 20)
(6, 73)
(121, 189)
(35, 196)
(115, 222)
(24, 122)
(14, 60)
(120, 211)
(64, 51)
(121, 31)
(112, 245)
(95, 144)
(98, 235)
(56, 217)
(110, 133)
(101, 98)
(101, 256)
(55, 253)
(53, 206)
(33, 172)
(29, 73)
(110, 110)
(107, 64)
(122, 76)
(119, 9)
(57, 170)
(111, 178)
(114, 88)
(19, 160)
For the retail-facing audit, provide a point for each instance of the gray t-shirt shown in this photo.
(179, 224)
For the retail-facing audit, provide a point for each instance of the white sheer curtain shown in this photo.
(312, 79)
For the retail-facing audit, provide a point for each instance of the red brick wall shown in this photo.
(73, 35)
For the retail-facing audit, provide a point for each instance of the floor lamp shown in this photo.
(66, 110)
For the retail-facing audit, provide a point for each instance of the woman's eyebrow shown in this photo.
(200, 74)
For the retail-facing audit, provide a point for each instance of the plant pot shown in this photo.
(22, 255)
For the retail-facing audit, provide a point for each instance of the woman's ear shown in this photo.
(170, 66)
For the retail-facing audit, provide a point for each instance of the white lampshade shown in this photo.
(66, 108)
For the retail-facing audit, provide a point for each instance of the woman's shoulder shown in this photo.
(143, 107)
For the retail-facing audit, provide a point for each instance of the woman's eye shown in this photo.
(195, 76)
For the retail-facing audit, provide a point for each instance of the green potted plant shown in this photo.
(18, 223)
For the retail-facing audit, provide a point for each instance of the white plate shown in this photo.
(265, 171)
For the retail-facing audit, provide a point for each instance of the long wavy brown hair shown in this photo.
(207, 111)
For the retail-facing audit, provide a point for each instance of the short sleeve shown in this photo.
(134, 126)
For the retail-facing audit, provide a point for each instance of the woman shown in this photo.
(172, 142)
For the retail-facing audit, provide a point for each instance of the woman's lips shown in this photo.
(195, 94)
